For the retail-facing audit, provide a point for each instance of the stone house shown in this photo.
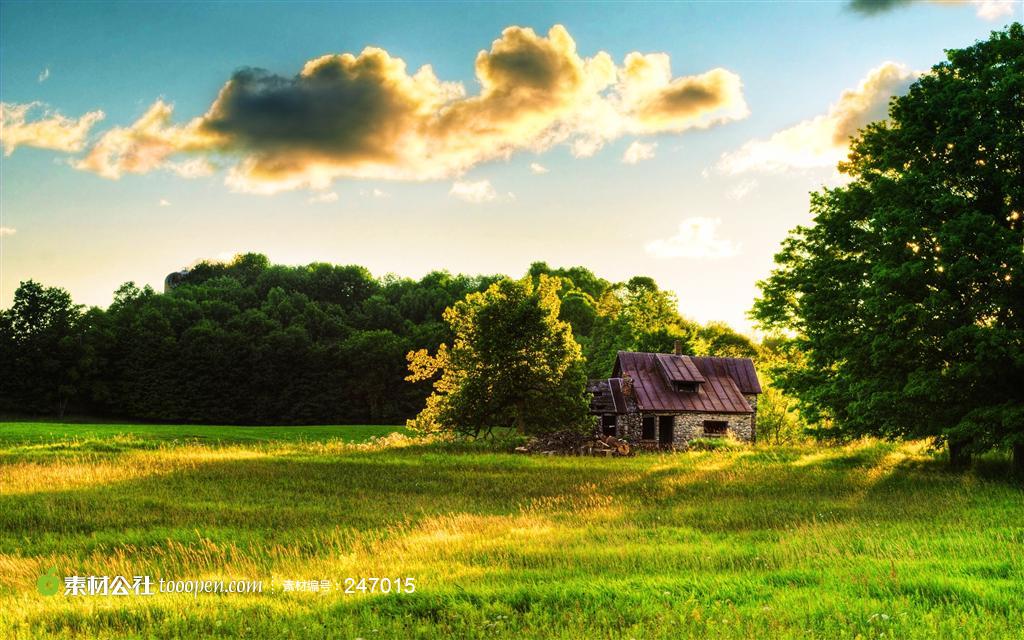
(666, 400)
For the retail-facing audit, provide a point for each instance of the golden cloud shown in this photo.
(145, 145)
(824, 140)
(367, 116)
(52, 131)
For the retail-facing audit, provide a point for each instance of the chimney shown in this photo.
(678, 348)
(627, 385)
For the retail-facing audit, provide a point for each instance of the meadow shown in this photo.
(869, 540)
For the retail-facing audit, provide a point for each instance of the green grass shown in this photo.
(14, 434)
(867, 541)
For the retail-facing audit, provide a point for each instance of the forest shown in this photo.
(250, 342)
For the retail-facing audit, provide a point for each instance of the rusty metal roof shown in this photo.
(678, 368)
(741, 370)
(720, 388)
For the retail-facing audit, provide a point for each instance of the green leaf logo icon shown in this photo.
(49, 583)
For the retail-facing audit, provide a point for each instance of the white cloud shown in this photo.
(322, 198)
(475, 192)
(52, 131)
(995, 9)
(164, 202)
(44, 74)
(7, 231)
(585, 146)
(741, 190)
(194, 168)
(538, 168)
(823, 140)
(696, 239)
(639, 151)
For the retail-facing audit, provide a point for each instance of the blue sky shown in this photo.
(784, 64)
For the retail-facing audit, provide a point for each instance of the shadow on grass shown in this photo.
(282, 499)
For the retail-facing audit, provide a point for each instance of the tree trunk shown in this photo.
(959, 454)
(1018, 459)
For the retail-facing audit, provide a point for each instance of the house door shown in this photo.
(649, 425)
(665, 427)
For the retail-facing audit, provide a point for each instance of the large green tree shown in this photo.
(42, 353)
(907, 293)
(512, 363)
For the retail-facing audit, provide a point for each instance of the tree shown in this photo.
(778, 417)
(512, 363)
(907, 293)
(42, 350)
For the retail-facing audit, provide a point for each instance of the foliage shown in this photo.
(907, 294)
(249, 342)
(512, 363)
(791, 542)
(778, 417)
(243, 342)
(42, 354)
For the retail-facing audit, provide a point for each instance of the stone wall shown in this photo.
(752, 401)
(627, 426)
(686, 426)
(691, 425)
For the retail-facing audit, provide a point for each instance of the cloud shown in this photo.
(7, 231)
(146, 145)
(986, 9)
(44, 75)
(538, 168)
(368, 116)
(51, 131)
(741, 190)
(323, 198)
(823, 140)
(639, 151)
(695, 239)
(194, 168)
(995, 9)
(164, 202)
(475, 192)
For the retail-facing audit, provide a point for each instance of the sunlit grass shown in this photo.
(868, 540)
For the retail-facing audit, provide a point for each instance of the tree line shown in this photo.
(249, 342)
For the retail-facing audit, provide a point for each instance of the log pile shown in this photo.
(571, 443)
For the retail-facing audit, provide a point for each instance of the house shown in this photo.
(663, 399)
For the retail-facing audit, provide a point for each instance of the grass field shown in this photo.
(866, 541)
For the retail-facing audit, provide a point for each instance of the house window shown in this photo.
(649, 425)
(608, 424)
(715, 428)
(688, 387)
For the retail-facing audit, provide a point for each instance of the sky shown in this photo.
(675, 140)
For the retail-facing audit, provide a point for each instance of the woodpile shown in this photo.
(570, 443)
